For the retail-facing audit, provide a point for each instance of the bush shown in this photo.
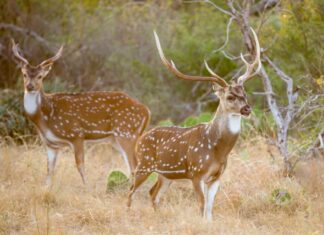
(13, 122)
(117, 180)
(194, 120)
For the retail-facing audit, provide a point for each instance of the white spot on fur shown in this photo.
(234, 123)
(32, 100)
(170, 172)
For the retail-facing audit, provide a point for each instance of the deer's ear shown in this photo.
(47, 66)
(45, 69)
(219, 91)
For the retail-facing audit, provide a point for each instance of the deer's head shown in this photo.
(34, 75)
(232, 96)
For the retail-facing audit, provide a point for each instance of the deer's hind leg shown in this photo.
(126, 148)
(161, 185)
(79, 158)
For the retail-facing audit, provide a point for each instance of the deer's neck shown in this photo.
(36, 104)
(32, 102)
(225, 125)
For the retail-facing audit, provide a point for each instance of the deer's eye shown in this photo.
(39, 76)
(230, 98)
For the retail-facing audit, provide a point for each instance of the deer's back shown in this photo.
(93, 115)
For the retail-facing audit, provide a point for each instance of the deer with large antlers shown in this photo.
(197, 153)
(74, 118)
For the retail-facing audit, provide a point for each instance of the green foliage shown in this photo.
(264, 122)
(166, 122)
(117, 180)
(194, 120)
(109, 45)
(281, 197)
(12, 119)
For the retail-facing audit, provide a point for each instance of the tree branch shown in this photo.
(27, 32)
(227, 35)
(262, 6)
(213, 4)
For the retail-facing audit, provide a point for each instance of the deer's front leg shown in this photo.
(79, 158)
(51, 161)
(210, 195)
(198, 185)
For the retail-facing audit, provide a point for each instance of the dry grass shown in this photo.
(243, 206)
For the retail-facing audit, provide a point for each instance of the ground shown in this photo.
(244, 205)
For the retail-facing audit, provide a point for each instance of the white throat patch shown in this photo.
(31, 102)
(234, 123)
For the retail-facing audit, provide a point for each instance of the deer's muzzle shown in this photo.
(246, 110)
(29, 87)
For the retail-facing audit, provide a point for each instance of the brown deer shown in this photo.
(198, 153)
(74, 118)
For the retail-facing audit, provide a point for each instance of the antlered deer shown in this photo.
(73, 118)
(197, 153)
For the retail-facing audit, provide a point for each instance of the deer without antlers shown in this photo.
(73, 118)
(197, 153)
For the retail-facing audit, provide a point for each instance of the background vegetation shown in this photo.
(109, 46)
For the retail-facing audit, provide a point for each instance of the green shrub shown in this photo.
(194, 120)
(281, 197)
(166, 122)
(13, 122)
(117, 180)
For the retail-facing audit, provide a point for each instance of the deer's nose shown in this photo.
(30, 87)
(246, 110)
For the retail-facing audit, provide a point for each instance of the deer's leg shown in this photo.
(79, 158)
(211, 193)
(199, 189)
(158, 189)
(139, 178)
(127, 149)
(51, 161)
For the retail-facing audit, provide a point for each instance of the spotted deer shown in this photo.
(198, 153)
(75, 118)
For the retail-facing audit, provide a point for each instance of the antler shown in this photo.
(171, 66)
(249, 67)
(15, 50)
(53, 59)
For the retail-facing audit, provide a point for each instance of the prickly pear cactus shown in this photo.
(117, 180)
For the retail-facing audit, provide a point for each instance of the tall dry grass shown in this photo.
(244, 204)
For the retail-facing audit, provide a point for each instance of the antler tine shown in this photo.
(213, 73)
(171, 66)
(54, 58)
(249, 67)
(16, 52)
